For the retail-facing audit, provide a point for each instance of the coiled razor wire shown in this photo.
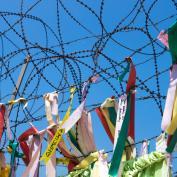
(70, 41)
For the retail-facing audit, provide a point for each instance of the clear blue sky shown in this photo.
(148, 117)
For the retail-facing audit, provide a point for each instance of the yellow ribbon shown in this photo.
(52, 146)
(62, 160)
(111, 126)
(19, 100)
(72, 91)
(173, 126)
(5, 171)
(58, 135)
(93, 157)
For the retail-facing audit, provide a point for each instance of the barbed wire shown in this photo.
(60, 58)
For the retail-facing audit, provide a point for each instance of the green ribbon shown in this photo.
(73, 140)
(117, 155)
(13, 146)
(112, 115)
(82, 172)
(172, 41)
(126, 70)
(172, 144)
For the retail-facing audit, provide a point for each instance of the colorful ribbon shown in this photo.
(74, 144)
(2, 114)
(12, 149)
(172, 38)
(127, 129)
(75, 116)
(168, 110)
(66, 153)
(172, 143)
(161, 143)
(51, 107)
(144, 147)
(122, 106)
(32, 168)
(119, 148)
(58, 134)
(87, 161)
(51, 164)
(72, 91)
(52, 146)
(19, 100)
(130, 88)
(4, 168)
(100, 168)
(85, 134)
(23, 138)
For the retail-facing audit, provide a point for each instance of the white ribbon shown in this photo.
(6, 118)
(74, 117)
(100, 168)
(53, 98)
(161, 143)
(122, 106)
(51, 106)
(144, 147)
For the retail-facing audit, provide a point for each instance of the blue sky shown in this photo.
(86, 24)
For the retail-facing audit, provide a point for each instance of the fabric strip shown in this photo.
(122, 106)
(75, 150)
(23, 143)
(167, 115)
(173, 125)
(52, 146)
(2, 113)
(72, 91)
(172, 38)
(75, 116)
(31, 168)
(117, 155)
(163, 37)
(100, 168)
(130, 88)
(51, 164)
(108, 121)
(85, 134)
(87, 161)
(172, 143)
(104, 123)
(34, 171)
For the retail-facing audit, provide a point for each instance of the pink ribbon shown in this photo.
(85, 134)
(163, 37)
(32, 168)
(6, 117)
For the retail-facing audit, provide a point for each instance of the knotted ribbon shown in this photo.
(12, 149)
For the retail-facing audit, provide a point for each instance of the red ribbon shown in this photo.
(2, 113)
(104, 123)
(23, 144)
(130, 87)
